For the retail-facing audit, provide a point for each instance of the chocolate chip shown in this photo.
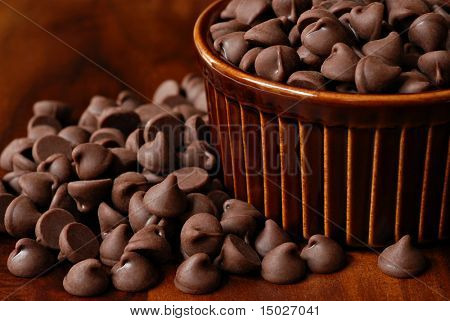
(197, 275)
(277, 63)
(98, 104)
(113, 135)
(186, 110)
(413, 82)
(202, 233)
(151, 243)
(283, 265)
(134, 273)
(12, 180)
(237, 256)
(307, 79)
(58, 165)
(191, 179)
(429, 31)
(124, 187)
(77, 243)
(114, 244)
(124, 160)
(323, 255)
(218, 197)
(43, 120)
(148, 111)
(166, 198)
(135, 140)
(295, 37)
(17, 146)
(310, 16)
(191, 84)
(166, 89)
(86, 278)
(367, 20)
(89, 194)
(5, 200)
(91, 160)
(138, 214)
(268, 33)
(340, 64)
(411, 54)
(230, 10)
(436, 65)
(232, 46)
(109, 219)
(195, 129)
(37, 132)
(121, 118)
(63, 200)
(374, 75)
(172, 101)
(402, 13)
(128, 99)
(49, 227)
(75, 135)
(29, 259)
(241, 219)
(223, 28)
(270, 237)
(198, 203)
(49, 145)
(252, 11)
(308, 58)
(22, 163)
(53, 108)
(198, 154)
(156, 155)
(88, 122)
(39, 187)
(290, 8)
(320, 36)
(389, 48)
(342, 7)
(171, 125)
(401, 260)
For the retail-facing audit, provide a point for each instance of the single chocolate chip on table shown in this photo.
(323, 255)
(402, 260)
(134, 273)
(283, 265)
(49, 227)
(86, 278)
(77, 243)
(30, 259)
(197, 275)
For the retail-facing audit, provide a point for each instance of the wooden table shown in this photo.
(84, 47)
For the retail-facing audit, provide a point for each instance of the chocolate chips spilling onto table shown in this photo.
(364, 46)
(119, 204)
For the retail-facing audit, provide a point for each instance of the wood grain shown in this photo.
(143, 42)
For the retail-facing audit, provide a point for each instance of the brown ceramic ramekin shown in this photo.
(363, 169)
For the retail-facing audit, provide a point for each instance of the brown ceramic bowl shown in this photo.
(363, 169)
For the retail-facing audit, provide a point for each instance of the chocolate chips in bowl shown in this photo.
(338, 45)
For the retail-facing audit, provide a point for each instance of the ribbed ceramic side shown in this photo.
(360, 186)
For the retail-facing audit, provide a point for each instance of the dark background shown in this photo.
(143, 42)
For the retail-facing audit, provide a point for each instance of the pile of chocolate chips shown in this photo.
(131, 188)
(365, 46)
